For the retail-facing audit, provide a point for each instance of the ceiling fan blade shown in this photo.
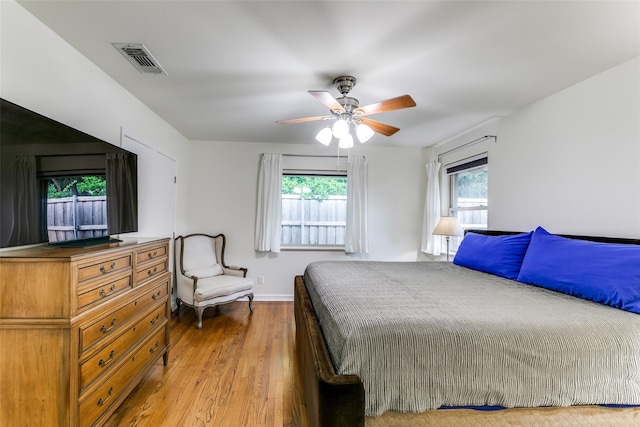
(304, 120)
(382, 128)
(398, 103)
(327, 99)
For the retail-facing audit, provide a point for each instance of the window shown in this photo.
(314, 209)
(468, 191)
(76, 207)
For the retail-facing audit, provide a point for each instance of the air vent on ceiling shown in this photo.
(140, 57)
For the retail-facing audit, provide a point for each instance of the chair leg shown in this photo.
(199, 312)
(251, 303)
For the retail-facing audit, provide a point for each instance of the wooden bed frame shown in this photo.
(332, 400)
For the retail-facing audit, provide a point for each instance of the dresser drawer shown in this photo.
(102, 292)
(102, 397)
(151, 270)
(150, 254)
(108, 324)
(109, 356)
(108, 266)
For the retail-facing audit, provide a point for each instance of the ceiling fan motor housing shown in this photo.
(344, 84)
(349, 104)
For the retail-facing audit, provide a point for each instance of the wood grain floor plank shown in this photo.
(237, 371)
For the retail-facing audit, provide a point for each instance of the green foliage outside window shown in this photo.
(472, 184)
(92, 185)
(314, 187)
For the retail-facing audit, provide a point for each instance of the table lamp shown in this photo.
(448, 226)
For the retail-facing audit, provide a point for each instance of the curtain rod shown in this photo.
(482, 138)
(312, 171)
(312, 155)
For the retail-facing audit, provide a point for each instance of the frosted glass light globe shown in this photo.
(325, 136)
(364, 133)
(340, 128)
(346, 141)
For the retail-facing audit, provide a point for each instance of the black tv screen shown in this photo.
(61, 185)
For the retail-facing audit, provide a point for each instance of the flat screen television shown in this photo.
(61, 185)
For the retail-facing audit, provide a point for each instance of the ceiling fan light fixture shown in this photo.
(325, 136)
(340, 128)
(346, 141)
(347, 111)
(364, 132)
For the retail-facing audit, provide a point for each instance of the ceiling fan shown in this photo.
(347, 113)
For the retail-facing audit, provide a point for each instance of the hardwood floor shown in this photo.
(237, 371)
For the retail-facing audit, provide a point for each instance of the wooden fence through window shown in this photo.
(76, 217)
(313, 222)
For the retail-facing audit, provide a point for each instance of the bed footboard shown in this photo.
(331, 400)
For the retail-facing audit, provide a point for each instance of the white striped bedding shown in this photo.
(430, 334)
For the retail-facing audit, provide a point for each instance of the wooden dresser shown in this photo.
(79, 329)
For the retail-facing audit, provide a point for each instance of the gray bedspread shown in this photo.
(426, 334)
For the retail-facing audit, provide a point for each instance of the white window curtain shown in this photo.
(269, 210)
(431, 244)
(355, 239)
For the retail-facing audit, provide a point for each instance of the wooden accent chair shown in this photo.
(203, 279)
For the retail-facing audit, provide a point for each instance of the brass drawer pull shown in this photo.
(154, 348)
(104, 329)
(111, 290)
(152, 255)
(111, 268)
(102, 402)
(154, 320)
(152, 272)
(102, 363)
(156, 295)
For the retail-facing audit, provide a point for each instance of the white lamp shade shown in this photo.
(346, 141)
(448, 226)
(325, 136)
(364, 133)
(340, 128)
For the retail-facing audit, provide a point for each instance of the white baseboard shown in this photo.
(273, 297)
(257, 297)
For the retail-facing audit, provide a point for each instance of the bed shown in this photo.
(481, 351)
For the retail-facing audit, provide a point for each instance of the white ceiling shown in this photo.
(236, 67)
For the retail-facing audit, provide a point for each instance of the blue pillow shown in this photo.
(608, 273)
(499, 255)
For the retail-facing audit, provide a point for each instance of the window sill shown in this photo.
(339, 248)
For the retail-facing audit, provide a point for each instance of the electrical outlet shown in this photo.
(260, 280)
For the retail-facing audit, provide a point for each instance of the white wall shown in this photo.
(570, 162)
(42, 72)
(223, 179)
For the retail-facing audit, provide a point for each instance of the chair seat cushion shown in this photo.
(220, 286)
